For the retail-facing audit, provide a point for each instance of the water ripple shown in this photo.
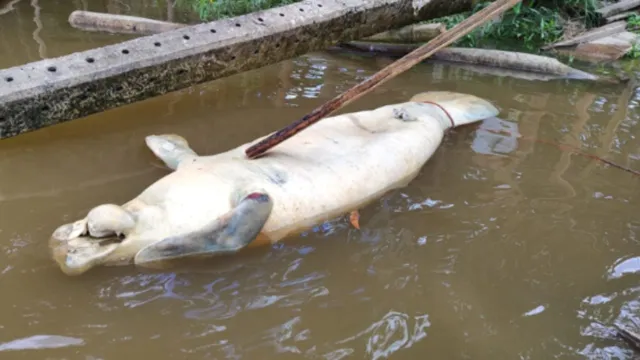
(390, 334)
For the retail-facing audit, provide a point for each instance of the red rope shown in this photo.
(443, 109)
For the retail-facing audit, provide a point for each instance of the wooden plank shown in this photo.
(621, 16)
(608, 48)
(51, 91)
(592, 34)
(617, 8)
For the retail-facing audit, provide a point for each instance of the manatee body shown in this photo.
(220, 204)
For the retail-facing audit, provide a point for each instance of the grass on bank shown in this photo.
(528, 25)
(209, 10)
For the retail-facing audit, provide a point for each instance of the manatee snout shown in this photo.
(78, 246)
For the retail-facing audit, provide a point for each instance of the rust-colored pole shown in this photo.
(382, 76)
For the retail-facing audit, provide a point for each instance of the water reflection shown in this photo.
(623, 267)
(41, 342)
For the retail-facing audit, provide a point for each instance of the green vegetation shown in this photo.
(633, 22)
(209, 10)
(528, 25)
(633, 25)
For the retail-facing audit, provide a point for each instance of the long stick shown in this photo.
(382, 76)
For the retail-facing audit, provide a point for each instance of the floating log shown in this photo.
(415, 33)
(120, 24)
(478, 69)
(617, 8)
(593, 34)
(389, 72)
(50, 91)
(508, 60)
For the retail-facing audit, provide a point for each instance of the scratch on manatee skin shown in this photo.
(358, 124)
(331, 139)
(277, 177)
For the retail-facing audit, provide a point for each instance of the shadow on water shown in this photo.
(501, 248)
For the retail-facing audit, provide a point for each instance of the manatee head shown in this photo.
(77, 247)
(142, 235)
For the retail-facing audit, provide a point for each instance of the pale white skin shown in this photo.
(337, 165)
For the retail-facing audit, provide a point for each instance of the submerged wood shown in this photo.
(415, 33)
(499, 59)
(617, 8)
(445, 39)
(54, 90)
(120, 24)
(593, 34)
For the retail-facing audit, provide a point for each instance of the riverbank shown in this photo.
(587, 29)
(529, 25)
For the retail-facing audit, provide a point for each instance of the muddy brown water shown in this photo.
(500, 249)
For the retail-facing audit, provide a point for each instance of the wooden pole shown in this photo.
(389, 72)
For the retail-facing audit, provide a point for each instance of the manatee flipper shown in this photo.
(170, 148)
(225, 235)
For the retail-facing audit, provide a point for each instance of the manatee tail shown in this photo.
(460, 108)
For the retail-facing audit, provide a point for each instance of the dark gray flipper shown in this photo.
(225, 235)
